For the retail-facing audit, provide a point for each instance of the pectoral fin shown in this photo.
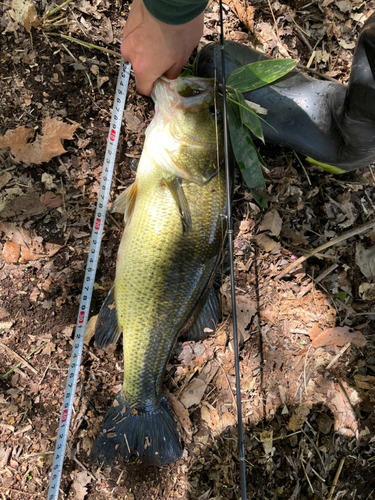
(107, 329)
(124, 204)
(179, 197)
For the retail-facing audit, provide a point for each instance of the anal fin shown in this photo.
(107, 330)
(206, 320)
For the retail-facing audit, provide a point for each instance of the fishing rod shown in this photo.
(241, 447)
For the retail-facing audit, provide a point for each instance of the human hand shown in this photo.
(155, 48)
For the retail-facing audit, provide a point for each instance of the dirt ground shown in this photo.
(307, 352)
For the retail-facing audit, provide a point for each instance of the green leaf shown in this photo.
(186, 72)
(248, 117)
(246, 154)
(341, 296)
(256, 75)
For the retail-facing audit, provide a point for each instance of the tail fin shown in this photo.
(150, 436)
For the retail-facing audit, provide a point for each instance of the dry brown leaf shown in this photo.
(45, 147)
(50, 200)
(90, 329)
(339, 336)
(267, 243)
(315, 331)
(193, 393)
(24, 13)
(246, 310)
(79, 485)
(34, 295)
(181, 412)
(25, 205)
(4, 179)
(272, 222)
(15, 234)
(243, 11)
(27, 255)
(299, 416)
(11, 252)
(365, 260)
(16, 137)
(52, 248)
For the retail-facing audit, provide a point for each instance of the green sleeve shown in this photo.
(175, 11)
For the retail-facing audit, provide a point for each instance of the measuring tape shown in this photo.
(88, 284)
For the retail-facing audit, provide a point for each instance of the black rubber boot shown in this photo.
(332, 124)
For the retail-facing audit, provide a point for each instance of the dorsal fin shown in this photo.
(124, 204)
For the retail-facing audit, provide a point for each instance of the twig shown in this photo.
(44, 374)
(21, 360)
(302, 165)
(85, 44)
(336, 478)
(338, 355)
(84, 468)
(274, 20)
(349, 234)
(321, 75)
(307, 477)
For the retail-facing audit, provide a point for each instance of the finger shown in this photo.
(174, 71)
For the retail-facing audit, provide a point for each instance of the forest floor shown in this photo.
(307, 352)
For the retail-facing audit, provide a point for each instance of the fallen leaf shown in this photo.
(132, 122)
(344, 6)
(325, 423)
(90, 329)
(315, 331)
(11, 252)
(339, 336)
(24, 13)
(25, 205)
(181, 412)
(246, 309)
(266, 438)
(34, 295)
(299, 416)
(365, 260)
(52, 248)
(16, 137)
(45, 147)
(15, 234)
(50, 200)
(272, 222)
(79, 485)
(267, 243)
(3, 313)
(27, 255)
(367, 291)
(4, 179)
(193, 393)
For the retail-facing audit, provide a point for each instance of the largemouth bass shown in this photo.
(175, 225)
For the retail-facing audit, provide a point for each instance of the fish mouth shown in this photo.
(190, 93)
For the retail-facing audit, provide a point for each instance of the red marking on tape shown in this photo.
(112, 135)
(97, 224)
(81, 317)
(64, 416)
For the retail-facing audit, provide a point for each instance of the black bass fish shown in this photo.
(168, 252)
